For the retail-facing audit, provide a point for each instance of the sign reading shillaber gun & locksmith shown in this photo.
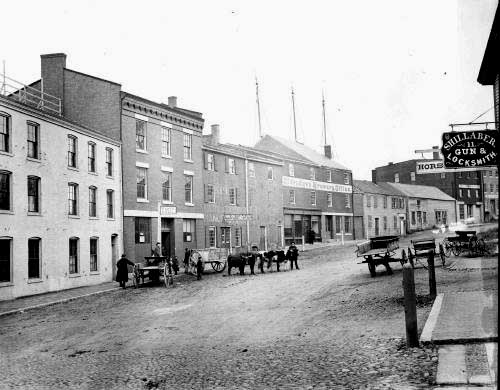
(470, 148)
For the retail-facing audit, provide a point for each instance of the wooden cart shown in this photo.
(154, 268)
(464, 240)
(380, 250)
(216, 257)
(422, 248)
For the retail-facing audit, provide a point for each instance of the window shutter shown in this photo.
(236, 196)
(226, 163)
(205, 193)
(215, 166)
(205, 158)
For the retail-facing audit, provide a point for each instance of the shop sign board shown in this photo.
(466, 149)
(296, 182)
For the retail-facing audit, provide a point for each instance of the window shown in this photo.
(33, 140)
(270, 175)
(291, 196)
(232, 196)
(460, 193)
(347, 201)
(401, 203)
(142, 183)
(188, 229)
(4, 133)
(91, 147)
(92, 201)
(72, 199)
(444, 216)
(188, 143)
(109, 162)
(424, 215)
(490, 173)
(291, 170)
(237, 236)
(375, 201)
(5, 259)
(166, 134)
(329, 176)
(468, 193)
(385, 201)
(93, 254)
(413, 220)
(370, 222)
(393, 202)
(385, 222)
(231, 166)
(412, 176)
(210, 193)
(33, 194)
(251, 169)
(492, 188)
(368, 201)
(225, 236)
(312, 174)
(477, 193)
(461, 211)
(166, 187)
(110, 204)
(140, 134)
(73, 255)
(313, 198)
(212, 237)
(329, 199)
(395, 222)
(469, 211)
(210, 162)
(72, 151)
(5, 190)
(34, 258)
(346, 178)
(347, 224)
(443, 175)
(396, 178)
(142, 230)
(188, 189)
(460, 174)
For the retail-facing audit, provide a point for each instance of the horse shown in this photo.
(240, 261)
(276, 256)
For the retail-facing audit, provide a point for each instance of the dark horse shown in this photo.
(278, 256)
(240, 261)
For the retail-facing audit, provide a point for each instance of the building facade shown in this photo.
(490, 191)
(317, 192)
(60, 202)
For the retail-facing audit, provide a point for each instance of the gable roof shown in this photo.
(368, 187)
(419, 191)
(296, 150)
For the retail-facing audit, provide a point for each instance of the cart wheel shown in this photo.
(218, 266)
(371, 268)
(411, 258)
(441, 254)
(481, 247)
(447, 247)
(404, 258)
(135, 280)
(456, 248)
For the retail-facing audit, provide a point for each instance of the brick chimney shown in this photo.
(172, 101)
(435, 153)
(214, 138)
(52, 71)
(328, 151)
(374, 176)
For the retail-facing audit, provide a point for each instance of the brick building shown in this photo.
(490, 191)
(382, 209)
(242, 197)
(60, 200)
(317, 191)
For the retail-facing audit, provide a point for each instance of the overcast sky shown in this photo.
(394, 73)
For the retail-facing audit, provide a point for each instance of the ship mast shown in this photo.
(324, 117)
(294, 119)
(258, 106)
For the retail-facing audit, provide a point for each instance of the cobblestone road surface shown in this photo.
(327, 326)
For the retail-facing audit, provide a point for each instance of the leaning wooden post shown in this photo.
(432, 275)
(410, 306)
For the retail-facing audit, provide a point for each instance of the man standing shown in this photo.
(292, 254)
(199, 268)
(122, 270)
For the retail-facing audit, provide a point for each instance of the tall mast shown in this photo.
(258, 106)
(294, 119)
(324, 117)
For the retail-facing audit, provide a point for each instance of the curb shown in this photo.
(21, 310)
(426, 336)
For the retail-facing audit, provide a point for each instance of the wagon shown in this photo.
(154, 272)
(216, 257)
(464, 240)
(380, 250)
(422, 248)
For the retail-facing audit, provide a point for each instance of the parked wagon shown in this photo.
(464, 240)
(154, 269)
(380, 250)
(422, 248)
(216, 257)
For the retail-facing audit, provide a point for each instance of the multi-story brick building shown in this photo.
(242, 196)
(490, 191)
(161, 150)
(317, 191)
(60, 199)
(383, 209)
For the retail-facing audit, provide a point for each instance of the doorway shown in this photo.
(377, 227)
(114, 254)
(165, 244)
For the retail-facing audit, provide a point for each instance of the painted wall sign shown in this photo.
(430, 166)
(470, 148)
(233, 218)
(288, 181)
(168, 210)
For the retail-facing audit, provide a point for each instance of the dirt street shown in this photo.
(328, 325)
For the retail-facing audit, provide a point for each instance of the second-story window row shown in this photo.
(33, 140)
(4, 132)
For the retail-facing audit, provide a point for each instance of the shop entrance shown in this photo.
(165, 244)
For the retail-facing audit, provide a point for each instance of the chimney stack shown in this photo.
(435, 153)
(374, 176)
(52, 72)
(389, 163)
(172, 101)
(215, 134)
(328, 151)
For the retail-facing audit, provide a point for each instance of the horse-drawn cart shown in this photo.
(380, 250)
(464, 240)
(153, 269)
(216, 257)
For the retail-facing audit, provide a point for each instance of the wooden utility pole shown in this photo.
(410, 301)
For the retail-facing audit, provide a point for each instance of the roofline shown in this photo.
(489, 67)
(214, 148)
(92, 77)
(61, 121)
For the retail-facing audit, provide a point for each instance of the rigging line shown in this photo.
(488, 110)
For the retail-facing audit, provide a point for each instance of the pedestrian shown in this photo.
(292, 254)
(175, 264)
(187, 254)
(199, 268)
(156, 252)
(122, 270)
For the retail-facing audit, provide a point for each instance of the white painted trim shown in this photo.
(189, 173)
(141, 117)
(165, 124)
(166, 169)
(187, 131)
(339, 214)
(142, 164)
(140, 213)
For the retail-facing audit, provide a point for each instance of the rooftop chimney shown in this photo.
(52, 72)
(215, 134)
(172, 101)
(435, 153)
(328, 151)
(374, 176)
(389, 163)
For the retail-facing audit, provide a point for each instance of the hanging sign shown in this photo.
(466, 149)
